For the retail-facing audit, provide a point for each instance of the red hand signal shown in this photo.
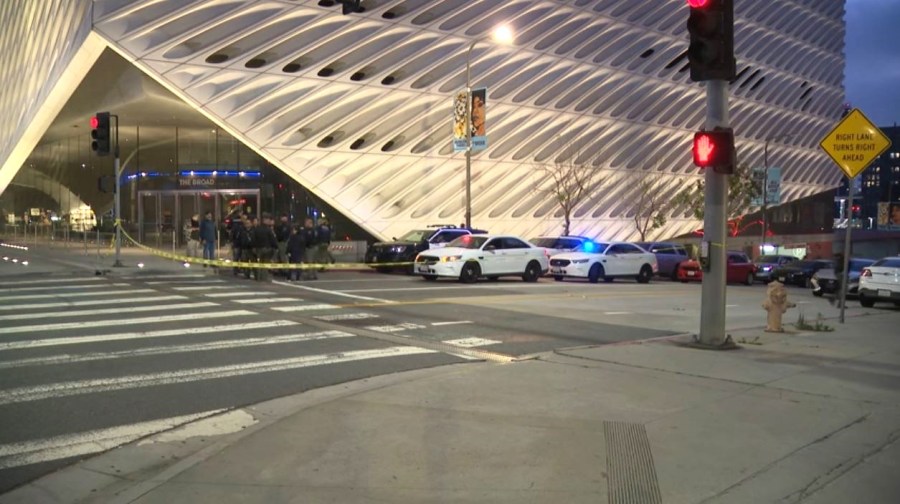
(704, 149)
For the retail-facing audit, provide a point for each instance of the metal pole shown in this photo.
(118, 216)
(469, 135)
(845, 276)
(712, 309)
(765, 196)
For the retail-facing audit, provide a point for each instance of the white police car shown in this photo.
(471, 257)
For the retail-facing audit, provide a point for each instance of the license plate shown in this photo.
(781, 279)
(556, 270)
(884, 293)
(692, 273)
(423, 269)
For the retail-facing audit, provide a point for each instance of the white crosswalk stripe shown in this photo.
(92, 302)
(75, 294)
(238, 294)
(78, 387)
(309, 307)
(54, 281)
(134, 321)
(110, 311)
(188, 281)
(61, 287)
(269, 300)
(202, 287)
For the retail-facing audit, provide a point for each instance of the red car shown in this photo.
(740, 269)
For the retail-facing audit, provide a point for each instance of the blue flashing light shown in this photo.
(590, 246)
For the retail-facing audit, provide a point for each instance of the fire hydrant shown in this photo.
(776, 304)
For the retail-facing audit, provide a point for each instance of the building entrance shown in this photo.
(164, 214)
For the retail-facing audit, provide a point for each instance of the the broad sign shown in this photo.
(854, 143)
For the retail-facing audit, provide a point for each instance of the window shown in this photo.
(494, 244)
(623, 248)
(569, 243)
(514, 243)
(888, 263)
(447, 236)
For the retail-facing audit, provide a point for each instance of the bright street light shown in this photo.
(501, 34)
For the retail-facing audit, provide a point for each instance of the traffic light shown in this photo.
(100, 133)
(711, 29)
(715, 149)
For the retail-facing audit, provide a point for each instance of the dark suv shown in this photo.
(405, 248)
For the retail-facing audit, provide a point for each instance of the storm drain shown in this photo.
(632, 476)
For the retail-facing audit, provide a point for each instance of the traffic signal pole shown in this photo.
(118, 199)
(712, 306)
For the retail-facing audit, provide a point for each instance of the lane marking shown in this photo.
(310, 307)
(457, 322)
(617, 313)
(76, 340)
(53, 281)
(239, 294)
(109, 311)
(35, 306)
(163, 350)
(86, 443)
(471, 342)
(169, 282)
(346, 316)
(202, 287)
(135, 321)
(77, 294)
(81, 387)
(405, 326)
(149, 277)
(262, 300)
(731, 306)
(334, 293)
(62, 287)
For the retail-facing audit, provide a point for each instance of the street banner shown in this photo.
(772, 189)
(478, 106)
(889, 216)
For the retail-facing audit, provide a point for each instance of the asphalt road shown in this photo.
(90, 362)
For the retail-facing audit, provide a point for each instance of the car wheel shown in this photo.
(470, 272)
(749, 280)
(430, 278)
(866, 302)
(675, 274)
(645, 274)
(595, 273)
(532, 272)
(558, 278)
(817, 293)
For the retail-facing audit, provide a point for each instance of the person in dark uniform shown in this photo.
(265, 246)
(323, 240)
(310, 241)
(282, 234)
(295, 247)
(238, 239)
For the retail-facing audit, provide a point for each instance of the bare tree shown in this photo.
(572, 181)
(742, 189)
(650, 206)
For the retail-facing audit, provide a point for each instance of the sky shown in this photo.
(872, 74)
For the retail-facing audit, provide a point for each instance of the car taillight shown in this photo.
(866, 272)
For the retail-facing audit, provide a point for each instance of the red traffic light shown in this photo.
(715, 149)
(95, 122)
(696, 4)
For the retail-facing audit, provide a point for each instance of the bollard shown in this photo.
(776, 304)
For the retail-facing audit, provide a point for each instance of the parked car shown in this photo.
(739, 269)
(766, 264)
(609, 261)
(405, 248)
(471, 257)
(800, 272)
(668, 256)
(880, 282)
(828, 282)
(559, 244)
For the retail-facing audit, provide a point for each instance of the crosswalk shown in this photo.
(155, 351)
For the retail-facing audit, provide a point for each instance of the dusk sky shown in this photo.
(872, 75)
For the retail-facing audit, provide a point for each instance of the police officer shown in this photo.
(283, 234)
(323, 240)
(310, 250)
(265, 245)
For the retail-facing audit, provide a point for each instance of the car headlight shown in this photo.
(766, 268)
(579, 261)
(398, 248)
(451, 258)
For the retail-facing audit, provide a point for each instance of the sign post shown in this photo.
(853, 144)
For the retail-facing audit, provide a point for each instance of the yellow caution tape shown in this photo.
(225, 263)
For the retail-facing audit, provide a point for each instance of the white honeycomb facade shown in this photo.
(358, 108)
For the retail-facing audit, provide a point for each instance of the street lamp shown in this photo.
(765, 187)
(501, 34)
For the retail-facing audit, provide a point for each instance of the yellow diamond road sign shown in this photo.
(854, 143)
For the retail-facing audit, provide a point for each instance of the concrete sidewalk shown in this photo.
(800, 417)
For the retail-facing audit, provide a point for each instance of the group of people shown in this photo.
(264, 241)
